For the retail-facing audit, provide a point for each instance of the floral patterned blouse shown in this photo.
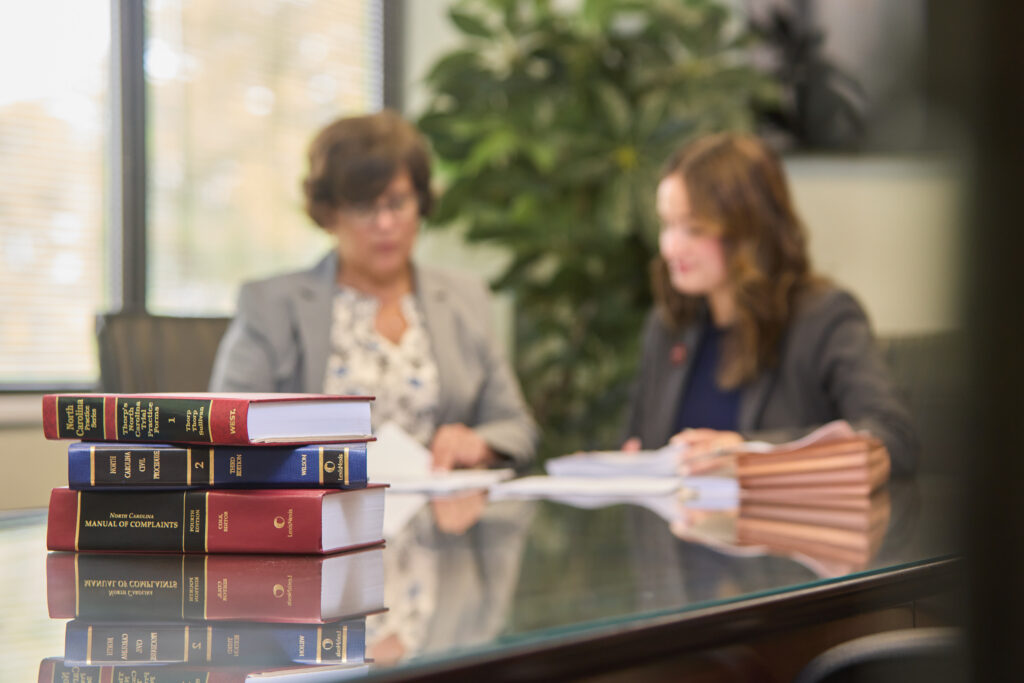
(402, 376)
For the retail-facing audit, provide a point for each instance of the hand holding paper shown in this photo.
(397, 458)
(705, 450)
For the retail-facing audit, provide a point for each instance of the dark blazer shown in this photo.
(829, 368)
(279, 341)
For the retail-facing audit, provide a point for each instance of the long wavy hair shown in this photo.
(736, 184)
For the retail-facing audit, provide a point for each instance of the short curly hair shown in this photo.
(352, 160)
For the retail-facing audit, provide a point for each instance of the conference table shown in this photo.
(531, 588)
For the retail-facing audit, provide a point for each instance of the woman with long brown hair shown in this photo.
(746, 341)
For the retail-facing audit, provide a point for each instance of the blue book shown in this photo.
(221, 643)
(107, 465)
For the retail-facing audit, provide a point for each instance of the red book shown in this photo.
(299, 589)
(278, 521)
(208, 418)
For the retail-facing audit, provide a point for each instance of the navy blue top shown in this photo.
(703, 403)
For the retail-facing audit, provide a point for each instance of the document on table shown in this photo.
(660, 463)
(663, 462)
(398, 459)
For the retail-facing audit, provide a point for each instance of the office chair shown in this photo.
(906, 655)
(931, 371)
(141, 353)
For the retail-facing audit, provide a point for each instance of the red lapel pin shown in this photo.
(678, 354)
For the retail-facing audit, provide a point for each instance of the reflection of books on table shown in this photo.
(263, 588)
(214, 643)
(56, 670)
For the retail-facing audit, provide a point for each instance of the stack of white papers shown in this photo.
(598, 487)
(663, 462)
(718, 491)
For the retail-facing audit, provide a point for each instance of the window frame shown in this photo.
(128, 162)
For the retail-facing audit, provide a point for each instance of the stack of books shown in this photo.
(822, 497)
(164, 617)
(267, 530)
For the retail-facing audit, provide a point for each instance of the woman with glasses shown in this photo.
(368, 320)
(746, 342)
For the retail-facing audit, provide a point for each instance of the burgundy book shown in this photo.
(301, 589)
(278, 521)
(208, 418)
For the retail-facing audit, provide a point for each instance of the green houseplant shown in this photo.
(550, 126)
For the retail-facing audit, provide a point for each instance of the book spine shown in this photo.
(249, 521)
(106, 586)
(260, 645)
(56, 670)
(141, 466)
(99, 417)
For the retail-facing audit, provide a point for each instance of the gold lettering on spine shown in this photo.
(344, 640)
(184, 586)
(206, 521)
(346, 465)
(207, 419)
(186, 525)
(78, 516)
(321, 465)
(92, 465)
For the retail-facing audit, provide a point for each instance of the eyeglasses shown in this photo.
(399, 206)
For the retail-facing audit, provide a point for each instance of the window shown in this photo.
(234, 91)
(54, 94)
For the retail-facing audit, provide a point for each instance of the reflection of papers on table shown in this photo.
(312, 674)
(405, 464)
(591, 487)
(451, 482)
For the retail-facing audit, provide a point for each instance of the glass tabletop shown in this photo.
(458, 576)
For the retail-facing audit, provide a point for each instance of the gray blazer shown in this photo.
(278, 341)
(829, 368)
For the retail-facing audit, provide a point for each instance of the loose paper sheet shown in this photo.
(399, 460)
